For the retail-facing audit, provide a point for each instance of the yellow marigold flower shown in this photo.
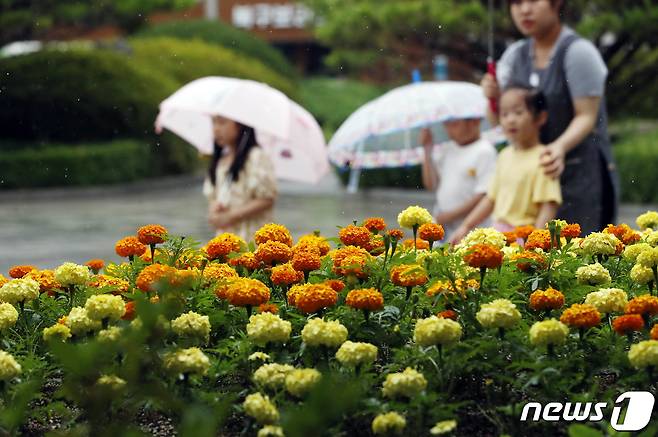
(443, 427)
(247, 260)
(313, 242)
(300, 381)
(272, 376)
(318, 332)
(599, 243)
(548, 332)
(353, 354)
(581, 316)
(608, 300)
(190, 360)
(80, 323)
(285, 274)
(404, 384)
(273, 232)
(374, 224)
(109, 283)
(352, 235)
(17, 272)
(648, 220)
(645, 304)
(260, 408)
(388, 423)
(191, 324)
(111, 383)
(8, 316)
(154, 276)
(365, 299)
(3, 280)
(129, 246)
(105, 307)
(644, 354)
(266, 328)
(527, 260)
(446, 287)
(484, 256)
(72, 274)
(431, 232)
(223, 245)
(315, 297)
(110, 335)
(634, 250)
(408, 275)
(539, 239)
(483, 236)
(425, 256)
(270, 431)
(19, 290)
(57, 332)
(641, 275)
(648, 258)
(499, 313)
(262, 356)
(9, 368)
(651, 238)
(414, 216)
(549, 299)
(434, 331)
(273, 252)
(306, 260)
(593, 274)
(247, 292)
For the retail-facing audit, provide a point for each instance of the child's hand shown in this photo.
(425, 138)
(221, 217)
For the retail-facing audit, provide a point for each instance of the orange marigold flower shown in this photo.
(351, 260)
(420, 244)
(365, 299)
(570, 231)
(152, 234)
(446, 287)
(314, 297)
(549, 299)
(354, 236)
(306, 260)
(130, 311)
(146, 256)
(115, 285)
(222, 245)
(374, 224)
(185, 278)
(153, 275)
(285, 274)
(511, 237)
(313, 241)
(247, 260)
(581, 316)
(539, 239)
(376, 245)
(3, 280)
(523, 232)
(273, 232)
(273, 252)
(46, 280)
(336, 284)
(654, 332)
(217, 271)
(268, 308)
(408, 275)
(528, 260)
(628, 323)
(431, 232)
(619, 248)
(294, 292)
(396, 234)
(645, 304)
(129, 246)
(624, 233)
(484, 255)
(247, 292)
(448, 314)
(95, 264)
(18, 272)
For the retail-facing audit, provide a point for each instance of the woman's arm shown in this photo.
(430, 175)
(547, 212)
(477, 216)
(586, 110)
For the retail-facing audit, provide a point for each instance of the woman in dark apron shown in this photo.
(570, 72)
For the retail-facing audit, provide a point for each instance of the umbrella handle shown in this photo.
(491, 69)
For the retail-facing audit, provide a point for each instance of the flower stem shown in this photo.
(248, 307)
(409, 288)
(152, 253)
(415, 231)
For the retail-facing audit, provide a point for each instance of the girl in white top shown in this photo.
(241, 184)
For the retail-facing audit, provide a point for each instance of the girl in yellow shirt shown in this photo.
(520, 193)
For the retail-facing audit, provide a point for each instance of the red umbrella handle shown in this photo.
(491, 69)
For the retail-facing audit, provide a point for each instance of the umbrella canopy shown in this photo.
(384, 132)
(287, 132)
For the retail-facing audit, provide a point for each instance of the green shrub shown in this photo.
(79, 95)
(226, 36)
(400, 177)
(59, 165)
(189, 60)
(637, 159)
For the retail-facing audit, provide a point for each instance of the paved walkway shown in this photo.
(48, 227)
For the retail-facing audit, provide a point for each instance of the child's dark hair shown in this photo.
(534, 99)
(246, 142)
(563, 5)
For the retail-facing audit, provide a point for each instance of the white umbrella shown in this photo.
(289, 133)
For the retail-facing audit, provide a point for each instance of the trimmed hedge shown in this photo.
(219, 34)
(89, 164)
(188, 60)
(637, 160)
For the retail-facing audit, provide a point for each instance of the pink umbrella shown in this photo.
(288, 132)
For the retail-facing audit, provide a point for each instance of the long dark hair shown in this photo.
(246, 142)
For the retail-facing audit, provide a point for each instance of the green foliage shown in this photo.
(636, 158)
(223, 35)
